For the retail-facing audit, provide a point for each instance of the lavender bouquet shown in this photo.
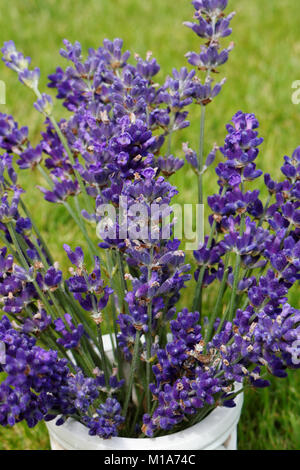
(113, 156)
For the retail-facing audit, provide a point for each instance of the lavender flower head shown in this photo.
(20, 64)
(212, 26)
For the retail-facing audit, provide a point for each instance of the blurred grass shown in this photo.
(260, 73)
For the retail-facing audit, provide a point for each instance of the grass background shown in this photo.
(260, 74)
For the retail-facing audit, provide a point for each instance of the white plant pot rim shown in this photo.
(209, 434)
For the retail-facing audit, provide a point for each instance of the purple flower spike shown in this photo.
(211, 25)
(71, 335)
(76, 257)
(44, 105)
(107, 421)
(168, 166)
(190, 155)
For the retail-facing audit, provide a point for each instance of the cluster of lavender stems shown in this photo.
(212, 26)
(169, 369)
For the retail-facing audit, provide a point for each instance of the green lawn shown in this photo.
(262, 67)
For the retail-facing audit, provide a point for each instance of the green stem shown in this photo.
(93, 250)
(9, 246)
(47, 306)
(81, 360)
(123, 282)
(132, 372)
(149, 338)
(104, 358)
(17, 246)
(197, 304)
(71, 158)
(103, 355)
(170, 133)
(113, 305)
(236, 275)
(265, 210)
(224, 317)
(235, 285)
(137, 412)
(219, 300)
(200, 156)
(38, 234)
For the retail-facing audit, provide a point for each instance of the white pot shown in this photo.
(218, 431)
